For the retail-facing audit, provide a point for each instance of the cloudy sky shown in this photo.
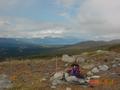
(84, 19)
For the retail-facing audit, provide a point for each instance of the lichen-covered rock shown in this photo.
(75, 80)
(56, 82)
(80, 59)
(71, 79)
(103, 67)
(57, 75)
(118, 64)
(95, 70)
(67, 58)
(88, 66)
(117, 59)
(57, 78)
(5, 83)
(114, 65)
(89, 73)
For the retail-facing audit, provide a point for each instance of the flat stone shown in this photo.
(80, 59)
(103, 67)
(119, 64)
(89, 73)
(72, 79)
(3, 76)
(95, 70)
(95, 77)
(81, 81)
(88, 66)
(56, 82)
(66, 75)
(118, 59)
(114, 65)
(67, 58)
(58, 75)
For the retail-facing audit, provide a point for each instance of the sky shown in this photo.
(83, 19)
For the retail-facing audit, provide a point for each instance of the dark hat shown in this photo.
(74, 64)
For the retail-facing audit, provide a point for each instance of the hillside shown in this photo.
(90, 46)
(19, 48)
(35, 74)
(115, 48)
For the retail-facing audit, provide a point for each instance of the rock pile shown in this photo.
(67, 58)
(103, 67)
(71, 59)
(94, 68)
(63, 78)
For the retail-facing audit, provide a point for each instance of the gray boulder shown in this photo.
(95, 77)
(71, 79)
(80, 59)
(103, 67)
(81, 81)
(89, 73)
(66, 75)
(114, 65)
(88, 66)
(117, 59)
(5, 83)
(67, 58)
(95, 70)
(56, 82)
(118, 64)
(57, 75)
(57, 78)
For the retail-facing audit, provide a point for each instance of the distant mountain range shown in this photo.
(21, 47)
(12, 42)
(17, 47)
(89, 46)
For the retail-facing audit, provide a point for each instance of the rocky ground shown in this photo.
(36, 74)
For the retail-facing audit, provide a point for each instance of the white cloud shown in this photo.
(95, 19)
(66, 3)
(6, 5)
(21, 27)
(67, 6)
(99, 18)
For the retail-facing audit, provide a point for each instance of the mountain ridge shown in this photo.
(23, 48)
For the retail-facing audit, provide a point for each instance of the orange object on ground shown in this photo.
(94, 82)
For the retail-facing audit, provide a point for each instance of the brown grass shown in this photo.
(28, 75)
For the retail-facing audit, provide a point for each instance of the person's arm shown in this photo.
(68, 70)
(79, 70)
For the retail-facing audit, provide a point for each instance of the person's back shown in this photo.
(75, 71)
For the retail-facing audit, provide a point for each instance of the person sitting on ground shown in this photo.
(75, 71)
